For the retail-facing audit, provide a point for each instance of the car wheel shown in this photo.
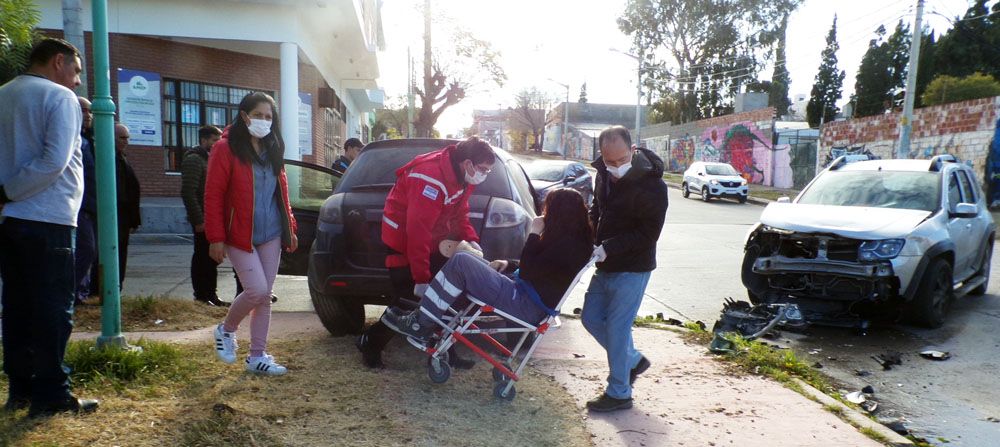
(705, 196)
(339, 315)
(743, 199)
(685, 191)
(934, 295)
(984, 270)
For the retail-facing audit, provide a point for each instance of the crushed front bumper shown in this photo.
(780, 264)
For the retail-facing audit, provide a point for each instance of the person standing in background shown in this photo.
(204, 269)
(86, 220)
(129, 213)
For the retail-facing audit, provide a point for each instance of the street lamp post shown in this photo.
(565, 124)
(638, 95)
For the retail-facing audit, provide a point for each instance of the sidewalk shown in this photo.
(685, 398)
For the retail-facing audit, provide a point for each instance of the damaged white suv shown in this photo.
(874, 239)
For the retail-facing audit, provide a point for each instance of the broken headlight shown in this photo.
(880, 250)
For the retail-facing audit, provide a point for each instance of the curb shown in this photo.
(751, 199)
(855, 416)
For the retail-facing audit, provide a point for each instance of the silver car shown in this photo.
(874, 239)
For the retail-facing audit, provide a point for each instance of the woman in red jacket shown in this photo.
(248, 219)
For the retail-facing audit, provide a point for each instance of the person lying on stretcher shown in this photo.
(560, 244)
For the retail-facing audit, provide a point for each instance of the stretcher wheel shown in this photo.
(499, 376)
(499, 388)
(438, 369)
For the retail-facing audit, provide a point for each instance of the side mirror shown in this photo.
(784, 199)
(965, 210)
(568, 180)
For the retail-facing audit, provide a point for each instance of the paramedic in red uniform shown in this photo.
(428, 204)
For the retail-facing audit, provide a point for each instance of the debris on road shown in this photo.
(869, 406)
(935, 355)
(862, 372)
(889, 359)
(856, 397)
(818, 365)
(868, 389)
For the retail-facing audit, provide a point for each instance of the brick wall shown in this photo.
(188, 62)
(963, 129)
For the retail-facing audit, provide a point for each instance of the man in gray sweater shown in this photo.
(41, 187)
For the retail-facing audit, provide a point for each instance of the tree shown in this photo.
(528, 113)
(391, 120)
(944, 89)
(881, 78)
(973, 44)
(17, 22)
(583, 94)
(828, 88)
(778, 93)
(449, 72)
(717, 46)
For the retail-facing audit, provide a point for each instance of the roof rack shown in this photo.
(939, 160)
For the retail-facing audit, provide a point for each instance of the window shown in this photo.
(524, 194)
(969, 192)
(190, 105)
(954, 191)
(334, 131)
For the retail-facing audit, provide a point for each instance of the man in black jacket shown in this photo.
(630, 205)
(204, 269)
(129, 217)
(352, 147)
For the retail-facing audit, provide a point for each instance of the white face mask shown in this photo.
(259, 128)
(620, 171)
(476, 179)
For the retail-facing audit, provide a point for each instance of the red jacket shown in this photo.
(229, 200)
(427, 205)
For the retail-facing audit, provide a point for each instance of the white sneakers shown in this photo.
(225, 348)
(265, 365)
(225, 345)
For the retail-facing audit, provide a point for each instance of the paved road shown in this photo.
(700, 253)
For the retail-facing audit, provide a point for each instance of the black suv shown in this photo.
(347, 259)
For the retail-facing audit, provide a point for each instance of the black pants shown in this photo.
(123, 236)
(402, 286)
(86, 254)
(204, 270)
(37, 267)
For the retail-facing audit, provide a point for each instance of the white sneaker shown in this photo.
(265, 365)
(225, 345)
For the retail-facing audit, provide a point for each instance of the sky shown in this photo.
(545, 43)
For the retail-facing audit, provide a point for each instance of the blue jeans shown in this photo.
(37, 266)
(609, 309)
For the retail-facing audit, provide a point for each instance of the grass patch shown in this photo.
(181, 395)
(873, 435)
(140, 313)
(674, 178)
(772, 194)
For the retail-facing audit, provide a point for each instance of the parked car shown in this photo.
(347, 259)
(714, 180)
(548, 175)
(874, 238)
(309, 185)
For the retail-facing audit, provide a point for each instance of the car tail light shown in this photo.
(503, 213)
(338, 283)
(332, 210)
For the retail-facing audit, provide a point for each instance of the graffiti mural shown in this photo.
(681, 154)
(743, 145)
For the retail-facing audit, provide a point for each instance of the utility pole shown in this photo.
(638, 105)
(906, 131)
(409, 94)
(73, 32)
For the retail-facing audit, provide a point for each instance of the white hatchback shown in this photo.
(714, 180)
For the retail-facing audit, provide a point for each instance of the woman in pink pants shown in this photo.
(248, 218)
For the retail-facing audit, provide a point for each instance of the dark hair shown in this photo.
(620, 131)
(206, 132)
(473, 149)
(353, 142)
(566, 215)
(239, 133)
(48, 48)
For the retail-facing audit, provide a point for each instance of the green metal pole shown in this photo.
(107, 206)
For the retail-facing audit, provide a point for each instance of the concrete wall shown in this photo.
(963, 129)
(744, 140)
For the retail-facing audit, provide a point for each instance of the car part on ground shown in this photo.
(752, 321)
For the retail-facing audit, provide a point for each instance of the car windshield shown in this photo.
(376, 169)
(879, 189)
(720, 170)
(545, 172)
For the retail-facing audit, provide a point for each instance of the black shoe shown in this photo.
(215, 301)
(639, 369)
(371, 357)
(16, 403)
(606, 404)
(397, 312)
(408, 325)
(71, 404)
